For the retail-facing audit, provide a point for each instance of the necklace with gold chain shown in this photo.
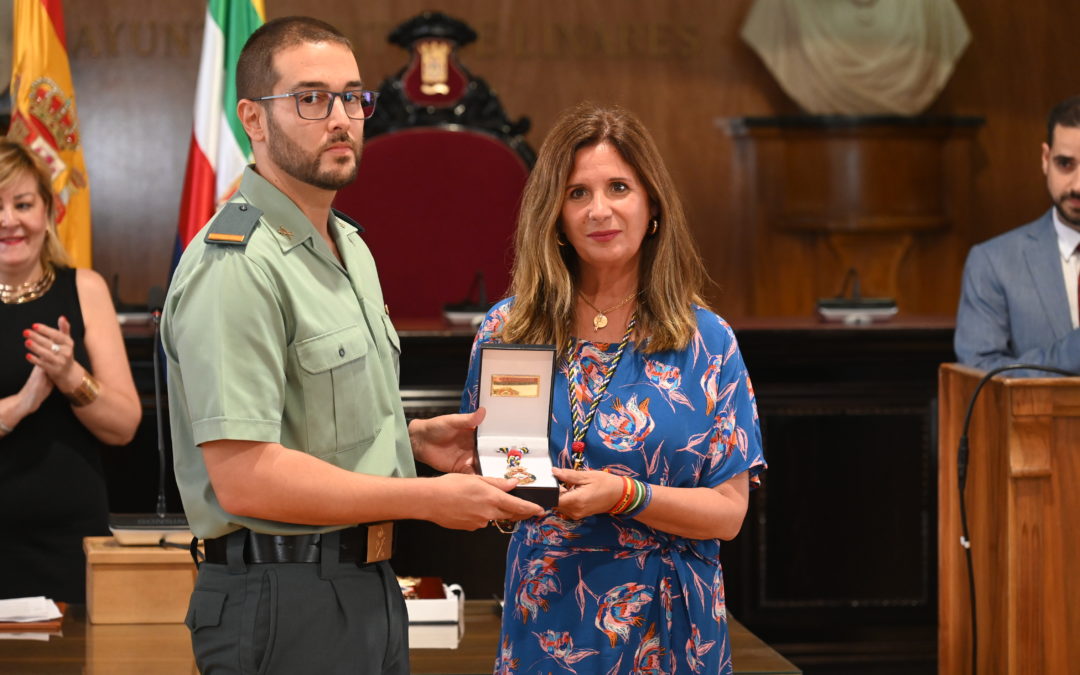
(600, 320)
(32, 290)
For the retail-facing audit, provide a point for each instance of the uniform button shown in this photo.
(341, 351)
(243, 207)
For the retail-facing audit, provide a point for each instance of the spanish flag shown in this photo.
(43, 116)
(219, 148)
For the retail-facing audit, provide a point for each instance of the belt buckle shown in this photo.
(380, 540)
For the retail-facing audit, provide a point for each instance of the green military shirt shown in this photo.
(269, 338)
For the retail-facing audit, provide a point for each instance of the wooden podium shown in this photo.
(1023, 505)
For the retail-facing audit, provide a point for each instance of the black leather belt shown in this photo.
(360, 544)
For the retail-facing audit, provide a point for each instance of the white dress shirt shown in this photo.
(1068, 241)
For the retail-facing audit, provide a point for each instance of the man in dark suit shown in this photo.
(1019, 298)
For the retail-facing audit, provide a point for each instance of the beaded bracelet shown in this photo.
(643, 504)
(623, 501)
(636, 501)
(635, 498)
(86, 393)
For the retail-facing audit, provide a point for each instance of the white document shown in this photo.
(22, 610)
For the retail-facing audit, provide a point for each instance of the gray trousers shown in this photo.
(324, 618)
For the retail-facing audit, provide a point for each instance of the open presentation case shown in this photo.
(512, 441)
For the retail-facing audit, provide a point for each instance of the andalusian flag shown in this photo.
(219, 148)
(43, 116)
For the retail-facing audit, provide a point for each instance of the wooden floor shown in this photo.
(165, 649)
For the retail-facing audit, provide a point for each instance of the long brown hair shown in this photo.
(17, 161)
(544, 280)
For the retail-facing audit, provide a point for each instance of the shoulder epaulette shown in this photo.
(233, 224)
(350, 221)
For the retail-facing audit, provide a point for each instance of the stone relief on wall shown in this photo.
(858, 57)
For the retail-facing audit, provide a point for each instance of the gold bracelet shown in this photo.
(86, 393)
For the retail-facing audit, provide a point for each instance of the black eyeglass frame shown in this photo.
(334, 95)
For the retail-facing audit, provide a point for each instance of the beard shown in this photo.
(307, 167)
(1070, 218)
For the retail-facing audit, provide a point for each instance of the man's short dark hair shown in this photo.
(1066, 114)
(255, 74)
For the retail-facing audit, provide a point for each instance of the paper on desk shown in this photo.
(39, 635)
(22, 610)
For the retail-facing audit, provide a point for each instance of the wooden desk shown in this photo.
(165, 649)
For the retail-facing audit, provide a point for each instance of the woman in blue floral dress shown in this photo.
(654, 426)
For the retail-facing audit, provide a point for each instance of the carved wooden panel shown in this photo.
(887, 197)
(837, 557)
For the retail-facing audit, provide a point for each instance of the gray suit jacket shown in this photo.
(1013, 305)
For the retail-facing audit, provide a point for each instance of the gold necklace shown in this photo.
(600, 320)
(31, 290)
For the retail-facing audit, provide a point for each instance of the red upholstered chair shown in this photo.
(440, 179)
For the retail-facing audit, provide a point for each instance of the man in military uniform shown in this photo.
(286, 417)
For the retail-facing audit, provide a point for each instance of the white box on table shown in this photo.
(447, 609)
(436, 622)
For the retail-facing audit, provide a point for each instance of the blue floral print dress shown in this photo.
(608, 594)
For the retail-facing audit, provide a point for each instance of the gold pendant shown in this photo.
(599, 321)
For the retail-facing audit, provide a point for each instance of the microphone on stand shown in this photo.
(159, 527)
(855, 310)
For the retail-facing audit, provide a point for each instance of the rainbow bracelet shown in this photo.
(635, 498)
(643, 503)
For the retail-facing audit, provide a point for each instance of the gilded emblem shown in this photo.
(434, 67)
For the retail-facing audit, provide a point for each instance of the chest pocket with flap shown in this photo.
(336, 379)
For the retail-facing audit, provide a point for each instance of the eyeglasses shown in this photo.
(316, 104)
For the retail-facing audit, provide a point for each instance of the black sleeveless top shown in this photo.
(52, 486)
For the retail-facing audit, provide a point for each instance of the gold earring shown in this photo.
(654, 225)
(559, 240)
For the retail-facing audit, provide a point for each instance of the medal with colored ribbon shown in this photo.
(581, 426)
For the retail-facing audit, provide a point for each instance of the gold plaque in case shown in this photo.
(512, 441)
